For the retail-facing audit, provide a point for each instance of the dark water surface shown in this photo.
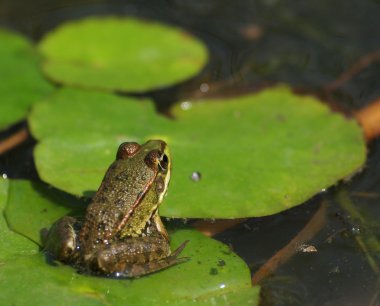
(307, 44)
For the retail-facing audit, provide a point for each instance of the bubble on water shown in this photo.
(355, 230)
(186, 105)
(335, 270)
(204, 87)
(196, 176)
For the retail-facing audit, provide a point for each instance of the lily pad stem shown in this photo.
(13, 140)
(308, 232)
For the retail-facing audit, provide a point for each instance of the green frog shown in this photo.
(122, 234)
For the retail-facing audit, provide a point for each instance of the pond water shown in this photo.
(254, 44)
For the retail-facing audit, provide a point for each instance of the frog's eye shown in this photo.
(152, 159)
(127, 149)
(164, 162)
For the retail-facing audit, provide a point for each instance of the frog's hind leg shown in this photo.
(133, 267)
(137, 270)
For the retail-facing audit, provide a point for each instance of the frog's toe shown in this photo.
(179, 249)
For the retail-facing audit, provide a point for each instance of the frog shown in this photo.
(121, 234)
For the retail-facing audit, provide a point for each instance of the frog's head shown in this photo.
(152, 158)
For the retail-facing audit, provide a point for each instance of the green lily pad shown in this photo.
(12, 245)
(257, 154)
(212, 273)
(21, 82)
(114, 53)
(28, 199)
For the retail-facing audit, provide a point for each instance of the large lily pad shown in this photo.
(21, 82)
(257, 154)
(212, 273)
(121, 53)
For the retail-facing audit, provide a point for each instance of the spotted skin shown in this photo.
(122, 234)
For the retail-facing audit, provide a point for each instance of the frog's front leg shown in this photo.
(134, 257)
(61, 240)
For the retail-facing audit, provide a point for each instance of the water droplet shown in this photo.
(5, 176)
(204, 87)
(196, 176)
(186, 105)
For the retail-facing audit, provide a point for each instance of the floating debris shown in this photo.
(304, 248)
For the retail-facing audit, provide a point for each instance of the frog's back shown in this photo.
(121, 189)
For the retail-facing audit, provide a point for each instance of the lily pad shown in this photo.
(12, 245)
(21, 81)
(212, 273)
(114, 53)
(256, 155)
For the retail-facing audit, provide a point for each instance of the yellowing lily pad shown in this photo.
(21, 82)
(253, 155)
(213, 273)
(115, 53)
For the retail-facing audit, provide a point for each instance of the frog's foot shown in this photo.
(140, 269)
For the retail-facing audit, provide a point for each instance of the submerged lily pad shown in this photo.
(21, 82)
(255, 155)
(127, 54)
(212, 273)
